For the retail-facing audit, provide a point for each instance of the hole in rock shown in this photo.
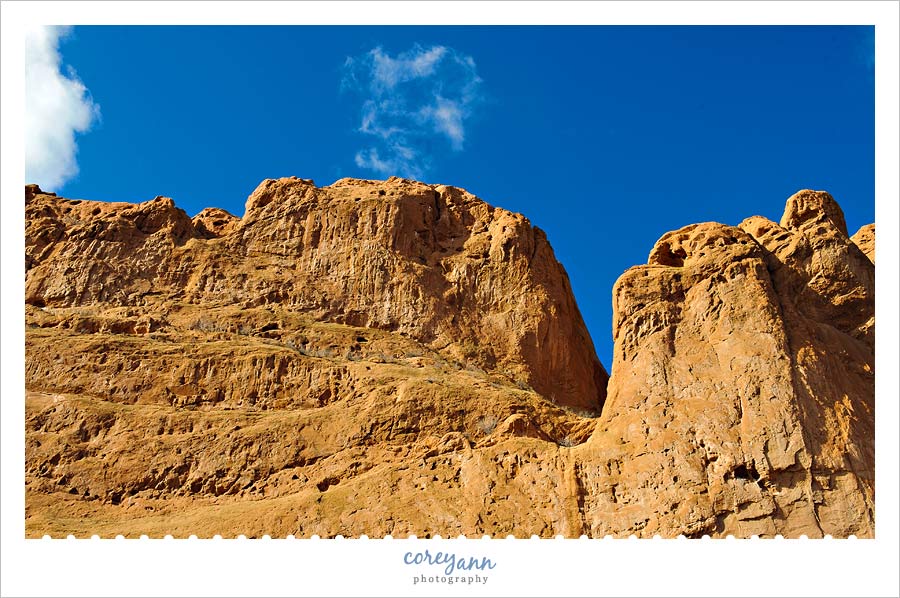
(746, 472)
(326, 483)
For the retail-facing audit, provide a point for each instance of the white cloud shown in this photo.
(447, 117)
(402, 160)
(408, 100)
(387, 72)
(57, 106)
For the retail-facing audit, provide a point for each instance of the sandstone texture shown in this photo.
(865, 240)
(434, 264)
(742, 396)
(390, 357)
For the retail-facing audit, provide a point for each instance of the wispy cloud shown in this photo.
(57, 106)
(408, 101)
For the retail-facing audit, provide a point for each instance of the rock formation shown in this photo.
(478, 284)
(394, 358)
(742, 396)
(865, 240)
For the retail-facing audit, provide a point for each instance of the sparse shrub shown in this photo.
(475, 369)
(205, 325)
(383, 358)
(468, 349)
(566, 442)
(487, 423)
(587, 413)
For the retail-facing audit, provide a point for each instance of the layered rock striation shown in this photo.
(433, 263)
(394, 358)
(742, 396)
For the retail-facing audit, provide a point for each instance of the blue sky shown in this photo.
(605, 137)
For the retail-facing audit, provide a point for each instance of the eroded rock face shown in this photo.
(742, 395)
(865, 240)
(214, 222)
(398, 358)
(434, 263)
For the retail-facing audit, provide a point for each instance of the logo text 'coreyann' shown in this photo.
(452, 563)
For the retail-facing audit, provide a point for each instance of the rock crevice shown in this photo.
(391, 357)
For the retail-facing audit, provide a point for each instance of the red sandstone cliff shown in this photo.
(392, 357)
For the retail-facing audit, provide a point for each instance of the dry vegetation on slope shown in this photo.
(393, 358)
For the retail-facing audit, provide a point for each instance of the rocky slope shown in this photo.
(393, 358)
(478, 284)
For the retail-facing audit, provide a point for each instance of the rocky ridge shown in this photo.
(394, 357)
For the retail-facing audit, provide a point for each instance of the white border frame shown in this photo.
(525, 567)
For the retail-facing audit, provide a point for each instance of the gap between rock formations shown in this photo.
(391, 357)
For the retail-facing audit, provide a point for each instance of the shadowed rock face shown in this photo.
(393, 358)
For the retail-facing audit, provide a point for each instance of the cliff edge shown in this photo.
(391, 357)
